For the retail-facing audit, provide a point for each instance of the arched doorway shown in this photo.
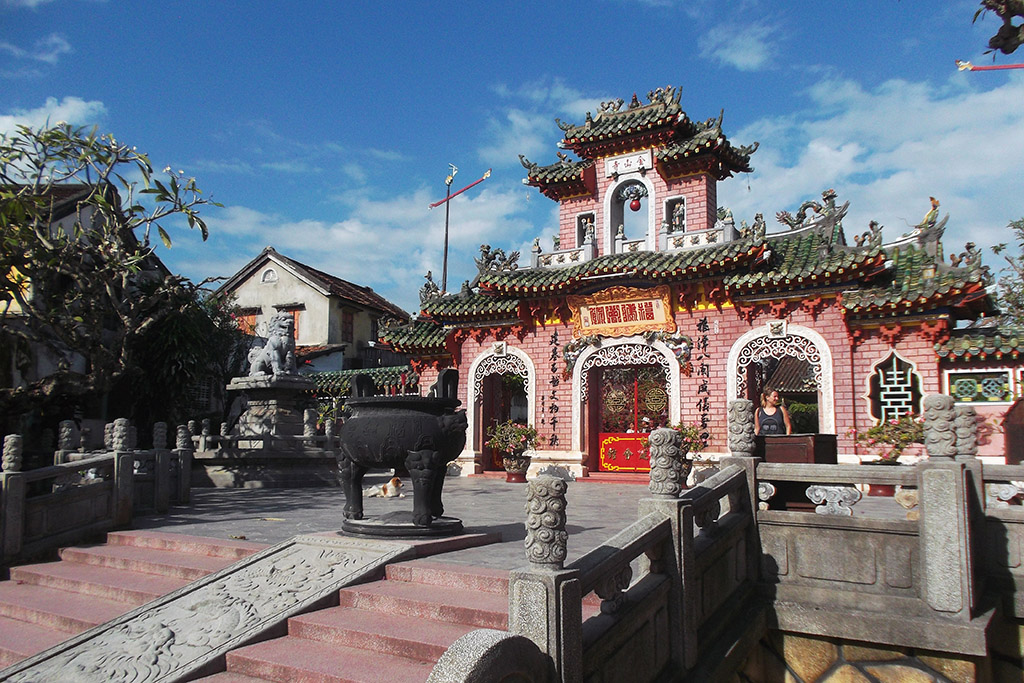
(615, 386)
(629, 204)
(757, 357)
(502, 389)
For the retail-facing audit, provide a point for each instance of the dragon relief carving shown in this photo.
(800, 220)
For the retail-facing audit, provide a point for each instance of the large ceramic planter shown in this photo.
(516, 465)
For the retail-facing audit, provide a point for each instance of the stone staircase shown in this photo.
(42, 605)
(394, 629)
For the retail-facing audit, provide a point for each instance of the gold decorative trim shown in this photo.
(631, 316)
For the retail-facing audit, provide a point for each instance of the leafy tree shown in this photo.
(79, 284)
(1011, 284)
(1009, 36)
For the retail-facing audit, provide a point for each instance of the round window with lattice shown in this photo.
(965, 388)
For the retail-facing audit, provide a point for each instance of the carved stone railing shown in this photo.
(45, 508)
(692, 239)
(624, 246)
(563, 257)
(1002, 544)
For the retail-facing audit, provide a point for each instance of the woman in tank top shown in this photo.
(771, 417)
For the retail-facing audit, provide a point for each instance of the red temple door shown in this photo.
(633, 403)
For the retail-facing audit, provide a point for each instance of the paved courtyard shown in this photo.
(596, 511)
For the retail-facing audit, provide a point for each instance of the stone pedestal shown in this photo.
(273, 404)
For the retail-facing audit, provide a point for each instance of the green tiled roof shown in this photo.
(919, 282)
(559, 172)
(337, 383)
(468, 306)
(710, 139)
(798, 260)
(649, 265)
(997, 344)
(419, 336)
(662, 112)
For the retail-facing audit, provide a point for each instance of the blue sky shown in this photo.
(326, 129)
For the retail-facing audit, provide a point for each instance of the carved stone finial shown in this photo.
(667, 476)
(13, 448)
(309, 422)
(223, 428)
(546, 537)
(192, 427)
(183, 438)
(108, 436)
(66, 435)
(160, 435)
(133, 438)
(120, 434)
(939, 430)
(741, 427)
(966, 425)
(206, 426)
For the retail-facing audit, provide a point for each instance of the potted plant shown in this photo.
(888, 439)
(513, 440)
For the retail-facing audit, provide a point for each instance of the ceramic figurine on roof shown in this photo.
(582, 343)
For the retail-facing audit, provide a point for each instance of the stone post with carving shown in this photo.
(309, 424)
(13, 449)
(667, 472)
(12, 498)
(65, 441)
(119, 435)
(544, 600)
(965, 423)
(183, 451)
(160, 435)
(741, 428)
(108, 436)
(945, 528)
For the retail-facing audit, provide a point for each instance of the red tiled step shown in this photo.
(20, 640)
(105, 582)
(295, 659)
(196, 545)
(147, 560)
(56, 609)
(483, 610)
(440, 574)
(388, 634)
(231, 677)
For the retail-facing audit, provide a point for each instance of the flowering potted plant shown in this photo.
(513, 440)
(889, 438)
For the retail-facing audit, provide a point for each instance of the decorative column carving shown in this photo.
(939, 429)
(966, 424)
(546, 537)
(741, 427)
(160, 435)
(667, 474)
(309, 423)
(183, 438)
(13, 449)
(108, 436)
(66, 435)
(119, 437)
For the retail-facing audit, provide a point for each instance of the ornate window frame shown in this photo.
(891, 353)
(1012, 381)
(498, 359)
(774, 338)
(633, 350)
(269, 276)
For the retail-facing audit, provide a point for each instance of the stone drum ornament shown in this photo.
(741, 427)
(966, 424)
(546, 537)
(667, 472)
(939, 429)
(13, 448)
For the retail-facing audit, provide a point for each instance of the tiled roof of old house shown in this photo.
(993, 344)
(386, 379)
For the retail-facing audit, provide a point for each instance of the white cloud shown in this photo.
(73, 110)
(746, 46)
(387, 244)
(48, 49)
(888, 148)
(31, 4)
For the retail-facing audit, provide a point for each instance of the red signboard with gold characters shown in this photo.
(624, 453)
(622, 311)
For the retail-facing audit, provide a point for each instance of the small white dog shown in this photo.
(389, 489)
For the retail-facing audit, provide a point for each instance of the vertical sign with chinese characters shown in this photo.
(703, 404)
(552, 406)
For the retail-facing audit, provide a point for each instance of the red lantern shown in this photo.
(634, 205)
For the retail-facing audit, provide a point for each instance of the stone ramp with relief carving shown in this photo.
(189, 631)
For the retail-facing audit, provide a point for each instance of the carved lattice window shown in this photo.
(500, 365)
(895, 389)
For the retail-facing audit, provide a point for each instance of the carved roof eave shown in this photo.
(606, 146)
(704, 162)
(972, 296)
(580, 279)
(561, 190)
(863, 271)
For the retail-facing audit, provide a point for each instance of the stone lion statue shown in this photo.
(277, 357)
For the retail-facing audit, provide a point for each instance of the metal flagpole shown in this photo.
(449, 195)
